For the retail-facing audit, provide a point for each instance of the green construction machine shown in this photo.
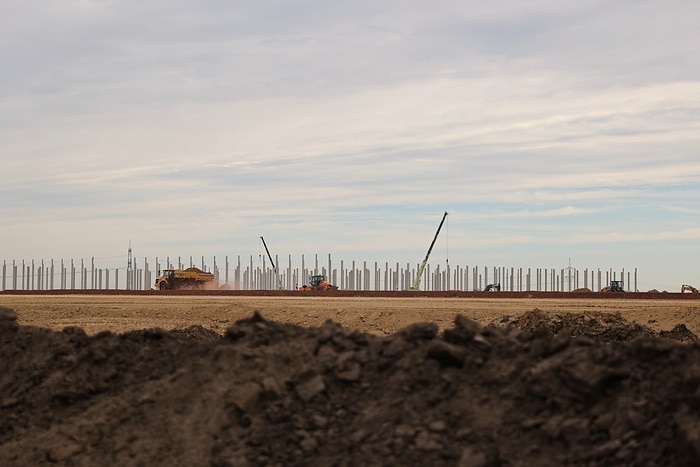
(416, 282)
(615, 286)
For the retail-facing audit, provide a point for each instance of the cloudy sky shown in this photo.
(552, 131)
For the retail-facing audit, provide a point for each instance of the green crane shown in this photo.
(416, 282)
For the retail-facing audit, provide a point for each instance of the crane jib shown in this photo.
(416, 282)
(268, 254)
(436, 236)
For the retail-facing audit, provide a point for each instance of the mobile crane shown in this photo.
(277, 272)
(416, 282)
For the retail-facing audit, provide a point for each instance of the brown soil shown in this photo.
(373, 313)
(194, 380)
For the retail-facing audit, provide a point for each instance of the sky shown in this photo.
(553, 132)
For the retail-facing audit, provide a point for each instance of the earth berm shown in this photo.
(569, 390)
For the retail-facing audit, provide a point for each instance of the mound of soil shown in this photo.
(600, 327)
(274, 394)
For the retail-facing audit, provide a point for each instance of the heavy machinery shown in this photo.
(277, 273)
(319, 283)
(688, 288)
(184, 279)
(493, 287)
(615, 286)
(416, 282)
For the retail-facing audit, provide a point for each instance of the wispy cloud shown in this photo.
(540, 126)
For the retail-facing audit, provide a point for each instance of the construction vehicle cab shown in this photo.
(615, 286)
(493, 287)
(688, 288)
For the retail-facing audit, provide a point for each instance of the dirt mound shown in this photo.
(198, 333)
(600, 327)
(276, 394)
(679, 333)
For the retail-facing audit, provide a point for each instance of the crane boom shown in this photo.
(277, 274)
(416, 282)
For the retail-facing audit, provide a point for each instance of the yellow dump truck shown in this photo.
(184, 279)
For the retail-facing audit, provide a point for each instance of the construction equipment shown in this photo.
(185, 279)
(416, 282)
(688, 288)
(319, 283)
(277, 273)
(615, 286)
(493, 287)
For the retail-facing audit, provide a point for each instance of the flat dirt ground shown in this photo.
(376, 315)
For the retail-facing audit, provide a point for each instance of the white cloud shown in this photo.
(540, 124)
(657, 236)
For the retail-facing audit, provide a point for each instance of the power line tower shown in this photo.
(130, 270)
(570, 275)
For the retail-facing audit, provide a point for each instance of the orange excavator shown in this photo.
(319, 283)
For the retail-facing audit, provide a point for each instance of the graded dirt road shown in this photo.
(377, 315)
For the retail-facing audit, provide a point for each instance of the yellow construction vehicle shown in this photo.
(688, 288)
(319, 283)
(615, 286)
(185, 279)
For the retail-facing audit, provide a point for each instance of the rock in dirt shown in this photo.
(273, 394)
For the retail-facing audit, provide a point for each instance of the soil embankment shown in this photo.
(536, 387)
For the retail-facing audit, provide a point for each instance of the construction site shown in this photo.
(255, 273)
(168, 362)
(267, 272)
